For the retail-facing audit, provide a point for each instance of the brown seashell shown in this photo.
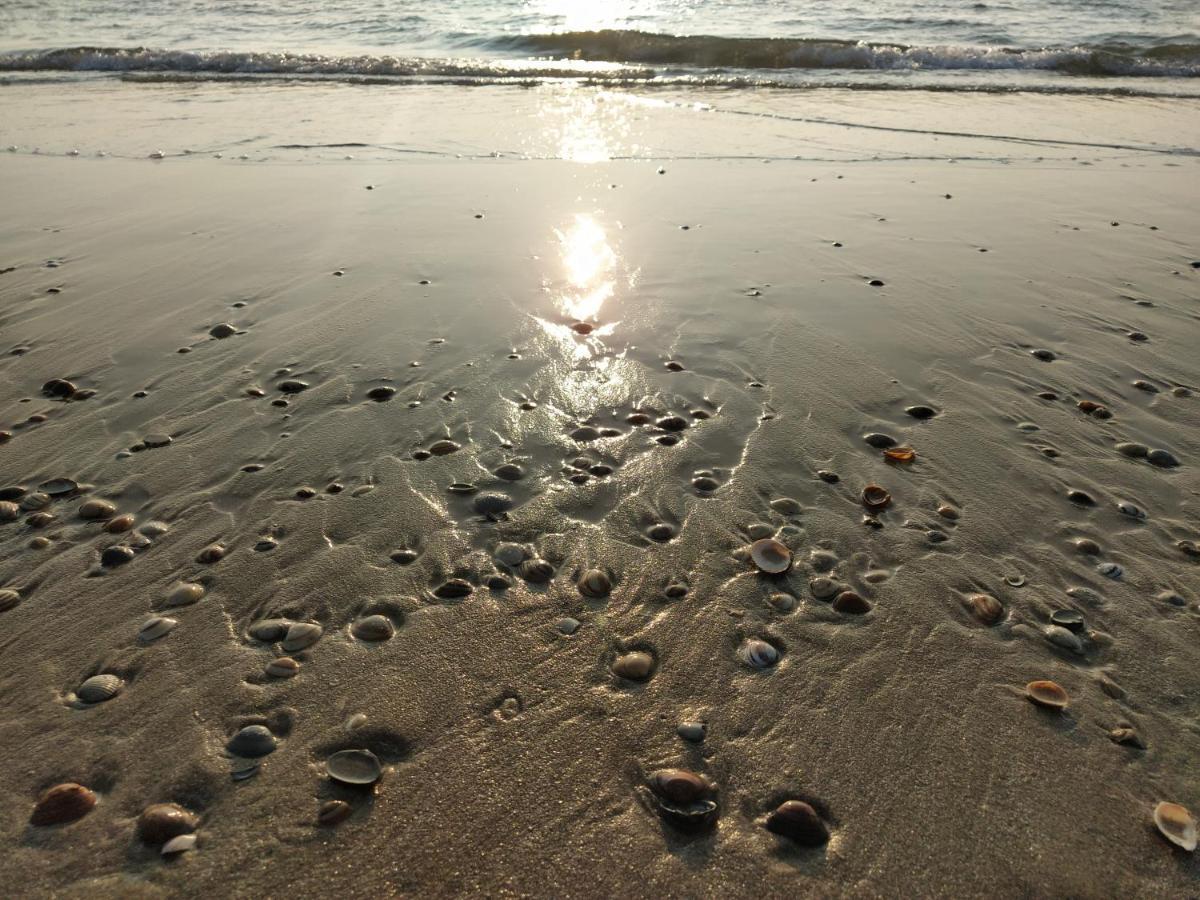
(900, 454)
(636, 666)
(333, 812)
(160, 822)
(986, 608)
(63, 803)
(373, 628)
(301, 635)
(771, 556)
(9, 599)
(185, 594)
(875, 498)
(96, 509)
(210, 554)
(595, 584)
(537, 571)
(9, 511)
(679, 786)
(798, 821)
(119, 524)
(851, 603)
(1048, 694)
(99, 688)
(444, 447)
(1176, 824)
(283, 667)
(40, 519)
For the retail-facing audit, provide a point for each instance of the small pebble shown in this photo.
(695, 732)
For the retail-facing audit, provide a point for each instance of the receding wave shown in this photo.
(622, 57)
(1170, 60)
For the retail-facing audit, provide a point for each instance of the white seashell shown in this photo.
(301, 635)
(179, 844)
(1176, 824)
(758, 654)
(771, 556)
(1068, 640)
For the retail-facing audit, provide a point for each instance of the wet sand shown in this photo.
(523, 311)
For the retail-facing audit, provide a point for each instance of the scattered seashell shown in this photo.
(381, 393)
(1132, 449)
(155, 529)
(875, 498)
(210, 554)
(567, 625)
(62, 803)
(1128, 509)
(672, 423)
(771, 556)
(1110, 570)
(679, 786)
(786, 506)
(585, 433)
(675, 591)
(453, 589)
(758, 654)
(851, 603)
(1068, 619)
(35, 500)
(404, 556)
(354, 767)
(798, 821)
(828, 477)
(824, 588)
(99, 688)
(1127, 736)
(162, 822)
(759, 530)
(1061, 637)
(185, 594)
(537, 570)
(986, 608)
(1043, 354)
(301, 635)
(111, 557)
(1087, 546)
(492, 504)
(1176, 824)
(1164, 459)
(1048, 694)
(879, 441)
(635, 666)
(900, 454)
(1015, 580)
(9, 511)
(269, 630)
(9, 599)
(59, 388)
(1146, 386)
(156, 627)
(333, 812)
(595, 584)
(782, 602)
(921, 412)
(695, 732)
(444, 447)
(660, 532)
(119, 524)
(293, 386)
(1085, 595)
(373, 628)
(509, 472)
(1082, 498)
(59, 487)
(177, 845)
(1188, 548)
(252, 742)
(1171, 597)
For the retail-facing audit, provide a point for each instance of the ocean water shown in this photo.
(1060, 45)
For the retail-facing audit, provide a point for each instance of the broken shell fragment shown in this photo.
(771, 556)
(900, 454)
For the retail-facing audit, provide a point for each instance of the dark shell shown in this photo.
(444, 447)
(58, 487)
(252, 742)
(1081, 497)
(58, 387)
(301, 635)
(116, 556)
(293, 386)
(585, 433)
(1067, 618)
(333, 812)
(875, 498)
(595, 584)
(537, 571)
(381, 393)
(269, 630)
(210, 554)
(454, 589)
(851, 603)
(222, 330)
(679, 786)
(99, 688)
(879, 441)
(492, 504)
(921, 412)
(160, 822)
(404, 557)
(672, 423)
(373, 628)
(61, 804)
(798, 821)
(509, 472)
(698, 816)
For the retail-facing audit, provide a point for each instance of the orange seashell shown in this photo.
(875, 498)
(900, 454)
(1048, 694)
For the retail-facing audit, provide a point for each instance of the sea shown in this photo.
(1055, 46)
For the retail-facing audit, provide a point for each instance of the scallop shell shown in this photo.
(301, 635)
(1176, 824)
(635, 666)
(61, 804)
(373, 628)
(1049, 694)
(679, 786)
(161, 822)
(252, 742)
(185, 594)
(283, 667)
(595, 584)
(180, 844)
(798, 821)
(99, 688)
(155, 627)
(9, 600)
(875, 498)
(771, 556)
(758, 654)
(333, 811)
(537, 570)
(354, 767)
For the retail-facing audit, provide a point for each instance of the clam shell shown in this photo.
(492, 503)
(758, 654)
(786, 506)
(824, 588)
(373, 628)
(444, 447)
(1049, 694)
(1061, 637)
(9, 511)
(771, 556)
(462, 488)
(119, 524)
(283, 667)
(61, 804)
(156, 627)
(879, 441)
(180, 844)
(875, 497)
(799, 822)
(161, 822)
(851, 603)
(986, 608)
(9, 599)
(293, 386)
(185, 594)
(537, 571)
(301, 635)
(269, 630)
(252, 742)
(35, 500)
(635, 666)
(511, 554)
(1164, 459)
(210, 554)
(567, 625)
(354, 767)
(1128, 509)
(453, 589)
(679, 786)
(58, 487)
(698, 816)
(900, 454)
(382, 393)
(595, 584)
(1176, 824)
(1067, 618)
(332, 812)
(99, 688)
